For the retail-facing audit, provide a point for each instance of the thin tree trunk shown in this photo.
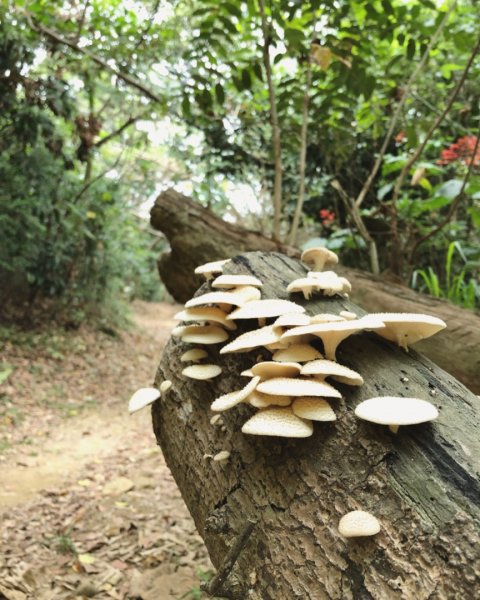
(276, 141)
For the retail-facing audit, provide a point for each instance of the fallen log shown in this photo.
(197, 236)
(422, 484)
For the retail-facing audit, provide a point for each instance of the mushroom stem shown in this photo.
(394, 428)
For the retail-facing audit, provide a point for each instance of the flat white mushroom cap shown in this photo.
(211, 267)
(261, 309)
(291, 320)
(268, 369)
(408, 328)
(193, 355)
(204, 334)
(252, 339)
(141, 398)
(233, 398)
(316, 409)
(278, 422)
(234, 298)
(202, 371)
(358, 523)
(392, 410)
(230, 281)
(326, 318)
(205, 313)
(259, 400)
(297, 387)
(329, 368)
(298, 353)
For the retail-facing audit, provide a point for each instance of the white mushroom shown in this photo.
(141, 398)
(407, 328)
(329, 368)
(395, 411)
(208, 269)
(202, 372)
(194, 355)
(278, 422)
(267, 369)
(233, 398)
(252, 339)
(262, 309)
(165, 386)
(203, 334)
(205, 313)
(221, 456)
(297, 387)
(297, 353)
(358, 523)
(318, 258)
(236, 297)
(316, 409)
(259, 400)
(230, 281)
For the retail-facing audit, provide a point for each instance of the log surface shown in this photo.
(422, 484)
(197, 236)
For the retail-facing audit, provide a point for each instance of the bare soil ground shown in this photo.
(88, 507)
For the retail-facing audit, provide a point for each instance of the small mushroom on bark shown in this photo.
(202, 372)
(358, 523)
(208, 269)
(395, 411)
(279, 422)
(142, 398)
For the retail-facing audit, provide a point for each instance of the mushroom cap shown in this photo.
(202, 371)
(233, 398)
(268, 369)
(165, 386)
(347, 314)
(333, 333)
(260, 309)
(231, 281)
(211, 267)
(259, 400)
(286, 386)
(393, 410)
(205, 313)
(408, 328)
(307, 285)
(326, 318)
(221, 456)
(193, 355)
(237, 297)
(329, 368)
(204, 334)
(316, 409)
(358, 523)
(297, 353)
(319, 257)
(252, 339)
(291, 320)
(278, 422)
(141, 398)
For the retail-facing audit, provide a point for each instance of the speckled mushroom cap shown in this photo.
(297, 353)
(306, 285)
(259, 400)
(202, 371)
(194, 355)
(205, 313)
(394, 410)
(291, 320)
(278, 422)
(231, 281)
(316, 409)
(327, 282)
(297, 387)
(262, 309)
(332, 334)
(329, 368)
(358, 523)
(407, 328)
(267, 369)
(208, 269)
(252, 339)
(236, 297)
(231, 399)
(318, 258)
(203, 334)
(141, 398)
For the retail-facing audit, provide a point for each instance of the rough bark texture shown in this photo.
(197, 236)
(423, 483)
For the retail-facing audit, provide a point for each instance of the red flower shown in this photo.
(400, 137)
(326, 216)
(462, 150)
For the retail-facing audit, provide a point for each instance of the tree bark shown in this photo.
(422, 484)
(197, 236)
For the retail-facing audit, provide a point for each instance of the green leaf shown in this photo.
(219, 93)
(411, 49)
(232, 9)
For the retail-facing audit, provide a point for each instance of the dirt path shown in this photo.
(87, 506)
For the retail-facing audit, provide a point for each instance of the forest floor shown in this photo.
(88, 507)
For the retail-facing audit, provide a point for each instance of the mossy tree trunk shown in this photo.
(422, 484)
(197, 236)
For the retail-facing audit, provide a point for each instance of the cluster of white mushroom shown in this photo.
(290, 391)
